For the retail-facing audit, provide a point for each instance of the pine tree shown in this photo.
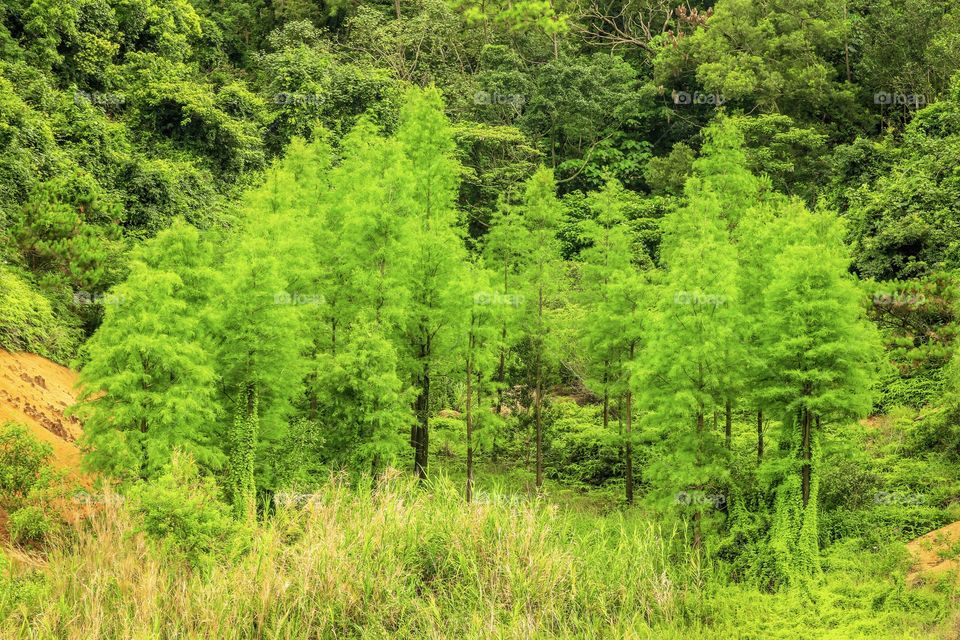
(542, 286)
(823, 355)
(684, 377)
(433, 248)
(148, 382)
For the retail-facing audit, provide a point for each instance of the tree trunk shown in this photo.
(537, 414)
(759, 435)
(422, 429)
(469, 411)
(697, 529)
(629, 438)
(606, 399)
(728, 425)
(538, 421)
(806, 452)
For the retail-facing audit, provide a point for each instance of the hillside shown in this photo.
(35, 392)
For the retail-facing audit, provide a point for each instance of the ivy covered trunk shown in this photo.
(243, 440)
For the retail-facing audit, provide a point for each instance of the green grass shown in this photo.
(403, 562)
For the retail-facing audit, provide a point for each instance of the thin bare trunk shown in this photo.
(728, 425)
(469, 411)
(759, 435)
(806, 452)
(629, 444)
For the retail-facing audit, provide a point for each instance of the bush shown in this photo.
(27, 321)
(581, 450)
(23, 460)
(30, 526)
(183, 513)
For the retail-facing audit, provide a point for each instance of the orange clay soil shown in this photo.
(936, 555)
(34, 392)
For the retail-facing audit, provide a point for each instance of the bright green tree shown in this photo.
(823, 355)
(433, 249)
(542, 289)
(685, 361)
(261, 342)
(612, 290)
(148, 380)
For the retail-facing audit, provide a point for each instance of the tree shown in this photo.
(612, 292)
(689, 349)
(261, 347)
(542, 285)
(478, 347)
(148, 382)
(505, 253)
(433, 247)
(824, 355)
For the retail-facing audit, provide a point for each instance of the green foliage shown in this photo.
(30, 526)
(181, 511)
(23, 460)
(148, 377)
(28, 323)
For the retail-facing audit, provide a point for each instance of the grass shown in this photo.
(403, 562)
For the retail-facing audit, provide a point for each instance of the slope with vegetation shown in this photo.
(655, 304)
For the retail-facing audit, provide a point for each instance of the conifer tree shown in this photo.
(543, 279)
(823, 356)
(683, 378)
(612, 290)
(505, 252)
(356, 388)
(433, 249)
(478, 348)
(148, 382)
(261, 349)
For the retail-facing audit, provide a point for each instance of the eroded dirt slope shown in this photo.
(35, 392)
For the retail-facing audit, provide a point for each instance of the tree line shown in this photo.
(315, 333)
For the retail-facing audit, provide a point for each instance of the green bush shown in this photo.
(27, 321)
(30, 526)
(22, 462)
(24, 593)
(183, 513)
(581, 450)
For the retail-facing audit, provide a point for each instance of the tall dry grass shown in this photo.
(395, 562)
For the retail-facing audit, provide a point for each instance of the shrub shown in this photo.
(182, 512)
(27, 321)
(581, 450)
(22, 462)
(30, 526)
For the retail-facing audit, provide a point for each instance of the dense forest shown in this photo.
(483, 318)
